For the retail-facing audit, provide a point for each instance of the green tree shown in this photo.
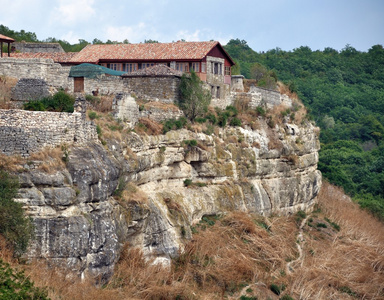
(14, 225)
(194, 98)
(15, 285)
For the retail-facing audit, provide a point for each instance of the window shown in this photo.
(129, 68)
(195, 67)
(115, 67)
(204, 67)
(220, 69)
(227, 70)
(183, 67)
(145, 65)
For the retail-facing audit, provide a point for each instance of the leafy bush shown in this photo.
(235, 122)
(275, 288)
(173, 124)
(187, 182)
(191, 143)
(60, 102)
(15, 285)
(14, 225)
(92, 115)
(194, 98)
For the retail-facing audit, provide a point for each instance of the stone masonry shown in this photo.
(23, 132)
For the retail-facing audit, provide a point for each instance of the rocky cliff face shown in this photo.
(80, 224)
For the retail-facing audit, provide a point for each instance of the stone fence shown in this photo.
(54, 74)
(23, 132)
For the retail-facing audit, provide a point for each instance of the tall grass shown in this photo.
(240, 252)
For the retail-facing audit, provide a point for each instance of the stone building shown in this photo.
(208, 60)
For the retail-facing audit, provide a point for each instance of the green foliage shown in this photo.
(235, 122)
(14, 225)
(92, 115)
(275, 288)
(194, 98)
(15, 285)
(344, 92)
(243, 297)
(173, 124)
(190, 143)
(60, 102)
(187, 182)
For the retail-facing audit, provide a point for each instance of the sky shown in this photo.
(264, 24)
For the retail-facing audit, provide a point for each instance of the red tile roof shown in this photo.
(145, 51)
(7, 39)
(59, 57)
(156, 70)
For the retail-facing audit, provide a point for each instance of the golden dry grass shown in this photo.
(348, 265)
(148, 126)
(240, 248)
(6, 85)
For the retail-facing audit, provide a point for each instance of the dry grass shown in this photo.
(161, 106)
(284, 90)
(48, 159)
(102, 104)
(6, 85)
(351, 263)
(51, 159)
(148, 126)
(345, 264)
(110, 127)
(132, 193)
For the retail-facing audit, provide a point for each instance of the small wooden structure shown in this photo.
(8, 40)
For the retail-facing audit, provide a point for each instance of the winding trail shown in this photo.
(300, 242)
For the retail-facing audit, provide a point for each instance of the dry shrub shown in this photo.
(241, 252)
(6, 253)
(132, 193)
(138, 278)
(104, 105)
(161, 106)
(351, 265)
(11, 163)
(148, 126)
(6, 85)
(242, 104)
(51, 159)
(110, 127)
(284, 90)
(248, 83)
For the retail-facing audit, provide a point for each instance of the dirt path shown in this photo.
(300, 243)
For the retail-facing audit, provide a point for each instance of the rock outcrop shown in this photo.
(184, 176)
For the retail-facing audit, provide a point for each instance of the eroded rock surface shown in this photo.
(79, 224)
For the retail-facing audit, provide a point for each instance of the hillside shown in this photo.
(344, 91)
(253, 257)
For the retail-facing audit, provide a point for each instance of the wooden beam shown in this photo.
(9, 53)
(1, 49)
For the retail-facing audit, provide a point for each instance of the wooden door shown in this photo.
(79, 84)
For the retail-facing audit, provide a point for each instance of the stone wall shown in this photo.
(54, 74)
(23, 132)
(155, 88)
(125, 108)
(105, 85)
(261, 97)
(38, 47)
(30, 89)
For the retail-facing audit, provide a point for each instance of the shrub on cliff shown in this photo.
(194, 98)
(14, 225)
(60, 102)
(15, 285)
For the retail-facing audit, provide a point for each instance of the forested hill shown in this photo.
(344, 91)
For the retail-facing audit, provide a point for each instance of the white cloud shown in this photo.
(134, 34)
(70, 12)
(70, 37)
(188, 36)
